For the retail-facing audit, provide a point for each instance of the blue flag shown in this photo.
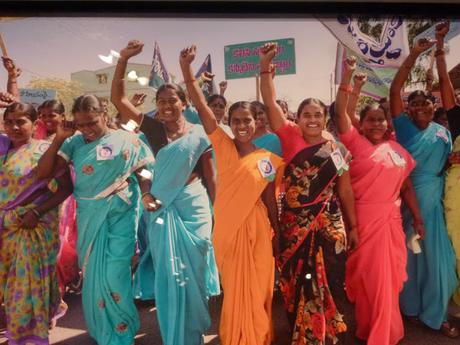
(207, 87)
(159, 75)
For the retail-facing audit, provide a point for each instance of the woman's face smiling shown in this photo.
(421, 110)
(242, 124)
(169, 105)
(312, 120)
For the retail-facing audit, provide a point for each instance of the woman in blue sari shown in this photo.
(431, 274)
(107, 196)
(179, 234)
(263, 138)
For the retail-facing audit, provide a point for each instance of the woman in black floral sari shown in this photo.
(312, 241)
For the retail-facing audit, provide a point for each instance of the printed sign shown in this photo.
(36, 96)
(242, 60)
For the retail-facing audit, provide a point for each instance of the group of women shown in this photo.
(225, 209)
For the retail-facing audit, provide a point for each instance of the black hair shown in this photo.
(255, 104)
(240, 104)
(55, 105)
(174, 87)
(25, 108)
(438, 113)
(87, 104)
(215, 96)
(423, 93)
(371, 106)
(309, 101)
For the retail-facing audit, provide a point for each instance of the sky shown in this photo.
(56, 47)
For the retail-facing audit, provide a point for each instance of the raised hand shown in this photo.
(138, 99)
(223, 86)
(350, 65)
(266, 54)
(65, 130)
(422, 45)
(11, 68)
(6, 99)
(207, 76)
(187, 55)
(442, 29)
(133, 48)
(359, 79)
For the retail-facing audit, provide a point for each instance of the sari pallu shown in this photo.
(179, 240)
(431, 274)
(376, 270)
(242, 242)
(28, 280)
(452, 209)
(312, 247)
(107, 217)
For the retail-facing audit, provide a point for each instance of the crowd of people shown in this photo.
(342, 205)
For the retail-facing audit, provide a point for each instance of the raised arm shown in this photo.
(222, 87)
(13, 75)
(359, 80)
(396, 101)
(50, 162)
(118, 96)
(209, 121)
(447, 90)
(343, 118)
(275, 114)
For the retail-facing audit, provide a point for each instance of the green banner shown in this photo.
(242, 60)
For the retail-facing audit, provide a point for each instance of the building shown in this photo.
(99, 83)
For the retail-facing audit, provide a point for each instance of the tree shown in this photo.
(66, 91)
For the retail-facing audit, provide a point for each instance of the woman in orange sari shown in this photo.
(245, 212)
(379, 171)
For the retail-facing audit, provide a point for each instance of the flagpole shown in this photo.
(257, 88)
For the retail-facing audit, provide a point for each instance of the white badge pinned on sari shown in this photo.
(339, 161)
(397, 158)
(104, 152)
(441, 133)
(266, 169)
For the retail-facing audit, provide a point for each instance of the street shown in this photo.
(71, 329)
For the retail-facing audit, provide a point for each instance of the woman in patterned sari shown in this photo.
(106, 163)
(29, 238)
(312, 237)
(431, 274)
(180, 258)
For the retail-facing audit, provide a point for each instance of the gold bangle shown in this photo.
(189, 81)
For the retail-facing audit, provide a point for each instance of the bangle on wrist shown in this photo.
(346, 88)
(144, 194)
(36, 212)
(268, 71)
(189, 81)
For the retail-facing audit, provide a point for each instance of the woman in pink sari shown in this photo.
(376, 270)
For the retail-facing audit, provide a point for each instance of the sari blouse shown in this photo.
(105, 163)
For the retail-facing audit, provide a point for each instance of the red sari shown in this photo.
(376, 270)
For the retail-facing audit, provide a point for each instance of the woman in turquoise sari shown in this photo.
(179, 234)
(107, 196)
(263, 138)
(431, 274)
